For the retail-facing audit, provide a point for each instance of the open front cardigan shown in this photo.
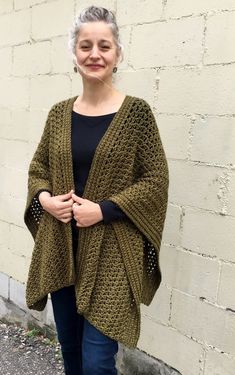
(87, 132)
(117, 264)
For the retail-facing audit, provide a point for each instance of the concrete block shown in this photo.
(14, 265)
(21, 4)
(20, 241)
(60, 55)
(4, 285)
(54, 22)
(19, 127)
(17, 293)
(203, 321)
(3, 309)
(35, 2)
(3, 151)
(125, 37)
(168, 258)
(14, 154)
(14, 212)
(138, 11)
(32, 59)
(49, 318)
(170, 346)
(20, 33)
(201, 185)
(172, 43)
(17, 85)
(159, 309)
(134, 361)
(5, 124)
(11, 313)
(226, 296)
(218, 363)
(108, 4)
(213, 140)
(76, 83)
(197, 275)
(6, 61)
(190, 272)
(5, 184)
(37, 121)
(4, 133)
(5, 120)
(48, 90)
(197, 90)
(14, 178)
(40, 316)
(198, 236)
(171, 233)
(32, 146)
(15, 125)
(231, 195)
(179, 8)
(4, 234)
(220, 38)
(133, 83)
(6, 6)
(174, 131)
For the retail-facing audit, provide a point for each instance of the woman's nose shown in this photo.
(95, 51)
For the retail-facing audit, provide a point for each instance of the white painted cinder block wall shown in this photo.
(180, 57)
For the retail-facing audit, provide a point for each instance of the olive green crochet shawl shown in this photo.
(117, 264)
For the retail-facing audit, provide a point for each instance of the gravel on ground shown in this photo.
(25, 352)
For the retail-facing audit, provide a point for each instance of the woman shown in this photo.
(96, 206)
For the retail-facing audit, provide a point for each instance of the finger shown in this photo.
(67, 196)
(66, 216)
(70, 201)
(79, 224)
(65, 205)
(77, 199)
(65, 220)
(75, 206)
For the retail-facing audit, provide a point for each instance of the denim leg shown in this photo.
(69, 326)
(98, 351)
(85, 350)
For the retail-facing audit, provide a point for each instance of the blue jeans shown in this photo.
(85, 349)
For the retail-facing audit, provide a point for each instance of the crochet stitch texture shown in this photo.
(117, 264)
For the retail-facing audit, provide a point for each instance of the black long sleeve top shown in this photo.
(87, 132)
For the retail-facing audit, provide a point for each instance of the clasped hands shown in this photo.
(64, 207)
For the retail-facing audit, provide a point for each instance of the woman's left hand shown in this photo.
(86, 212)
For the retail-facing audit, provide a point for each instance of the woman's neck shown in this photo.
(94, 94)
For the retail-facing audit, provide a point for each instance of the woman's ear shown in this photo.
(74, 59)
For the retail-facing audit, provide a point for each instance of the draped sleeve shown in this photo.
(145, 201)
(38, 179)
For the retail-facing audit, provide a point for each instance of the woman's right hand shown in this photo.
(59, 206)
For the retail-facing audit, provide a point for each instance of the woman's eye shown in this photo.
(102, 47)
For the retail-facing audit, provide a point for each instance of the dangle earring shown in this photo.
(115, 69)
(75, 69)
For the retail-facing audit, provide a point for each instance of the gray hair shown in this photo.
(94, 14)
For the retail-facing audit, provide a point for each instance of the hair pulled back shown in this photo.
(94, 14)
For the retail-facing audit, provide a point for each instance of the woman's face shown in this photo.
(96, 50)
